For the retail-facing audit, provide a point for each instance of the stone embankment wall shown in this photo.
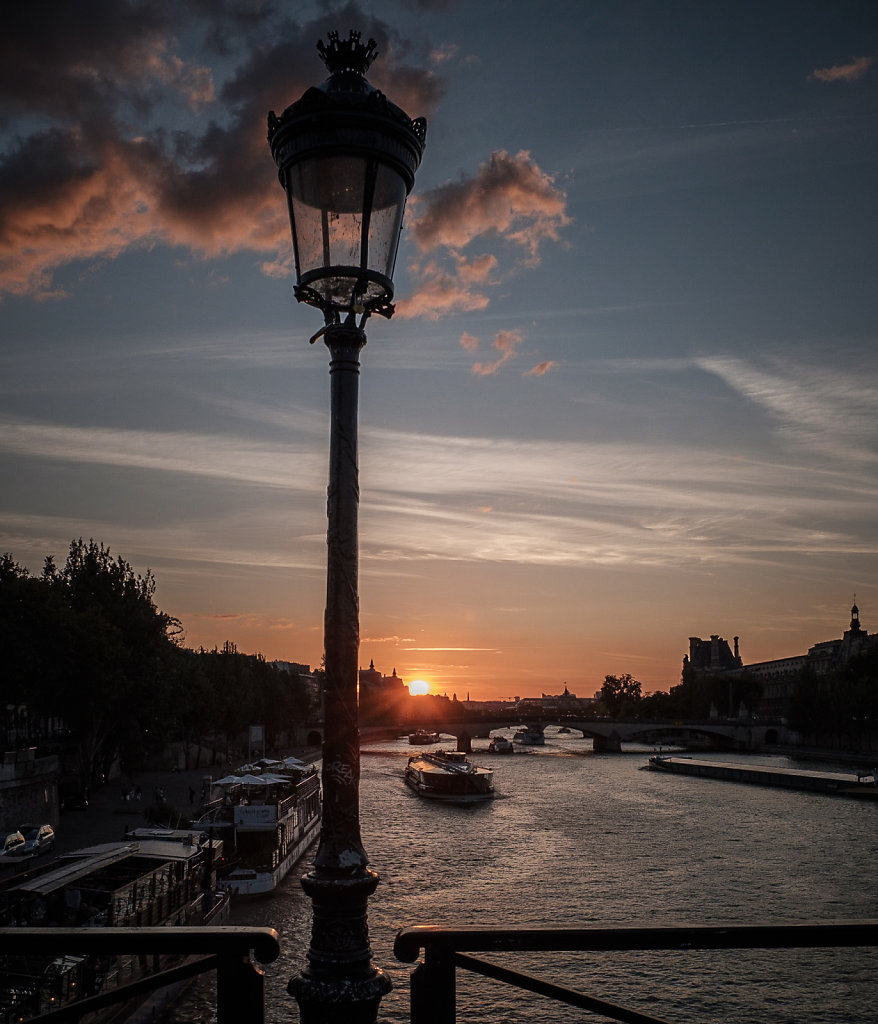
(28, 790)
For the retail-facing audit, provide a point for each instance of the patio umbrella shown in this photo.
(229, 780)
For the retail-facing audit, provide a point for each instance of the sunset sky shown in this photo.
(629, 393)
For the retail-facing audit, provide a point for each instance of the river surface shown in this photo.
(574, 838)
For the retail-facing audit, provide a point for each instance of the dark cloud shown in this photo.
(134, 142)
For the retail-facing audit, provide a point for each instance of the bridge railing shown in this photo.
(449, 949)
(239, 982)
(228, 950)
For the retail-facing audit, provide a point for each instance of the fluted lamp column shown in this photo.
(346, 157)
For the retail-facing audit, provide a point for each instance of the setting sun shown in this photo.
(418, 687)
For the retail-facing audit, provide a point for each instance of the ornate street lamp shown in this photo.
(346, 157)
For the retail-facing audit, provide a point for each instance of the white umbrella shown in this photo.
(293, 762)
(252, 780)
(229, 780)
(269, 778)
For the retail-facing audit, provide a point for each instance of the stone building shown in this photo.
(778, 675)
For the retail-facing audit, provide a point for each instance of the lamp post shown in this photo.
(346, 157)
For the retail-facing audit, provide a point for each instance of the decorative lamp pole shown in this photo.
(346, 157)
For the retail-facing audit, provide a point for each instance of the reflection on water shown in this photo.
(574, 839)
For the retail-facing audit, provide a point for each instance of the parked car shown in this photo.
(13, 846)
(37, 839)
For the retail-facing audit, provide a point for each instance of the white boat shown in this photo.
(501, 745)
(448, 776)
(529, 737)
(268, 822)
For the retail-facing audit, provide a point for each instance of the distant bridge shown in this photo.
(609, 734)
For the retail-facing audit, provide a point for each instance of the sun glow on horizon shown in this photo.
(419, 687)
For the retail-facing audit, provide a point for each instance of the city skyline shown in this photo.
(629, 392)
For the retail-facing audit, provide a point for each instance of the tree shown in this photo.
(620, 694)
(87, 644)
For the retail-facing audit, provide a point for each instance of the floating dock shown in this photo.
(864, 787)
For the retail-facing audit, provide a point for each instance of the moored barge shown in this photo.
(166, 879)
(831, 783)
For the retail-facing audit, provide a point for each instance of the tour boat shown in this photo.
(448, 776)
(268, 822)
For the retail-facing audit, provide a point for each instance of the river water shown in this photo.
(574, 838)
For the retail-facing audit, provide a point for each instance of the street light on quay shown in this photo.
(346, 157)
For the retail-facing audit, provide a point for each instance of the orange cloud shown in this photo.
(506, 342)
(469, 342)
(440, 291)
(541, 369)
(510, 197)
(849, 72)
(509, 201)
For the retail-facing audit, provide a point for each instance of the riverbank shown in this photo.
(862, 759)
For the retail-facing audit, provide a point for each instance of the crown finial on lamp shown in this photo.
(349, 54)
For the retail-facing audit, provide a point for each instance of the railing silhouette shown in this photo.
(447, 950)
(226, 950)
(240, 983)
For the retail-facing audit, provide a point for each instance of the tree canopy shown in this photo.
(620, 694)
(95, 669)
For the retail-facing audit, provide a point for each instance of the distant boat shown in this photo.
(500, 745)
(420, 737)
(448, 776)
(530, 738)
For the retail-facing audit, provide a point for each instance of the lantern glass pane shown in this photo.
(387, 208)
(326, 195)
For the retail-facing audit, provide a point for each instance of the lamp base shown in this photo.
(339, 1000)
(340, 985)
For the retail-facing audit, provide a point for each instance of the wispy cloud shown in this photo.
(219, 457)
(849, 72)
(827, 410)
(645, 501)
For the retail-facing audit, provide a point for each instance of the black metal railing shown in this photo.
(197, 950)
(433, 983)
(240, 983)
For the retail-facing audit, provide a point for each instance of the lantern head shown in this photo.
(346, 157)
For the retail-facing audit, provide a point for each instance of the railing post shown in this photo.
(240, 990)
(433, 994)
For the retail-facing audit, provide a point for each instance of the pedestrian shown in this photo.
(191, 795)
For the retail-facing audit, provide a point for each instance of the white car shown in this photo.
(14, 845)
(37, 839)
